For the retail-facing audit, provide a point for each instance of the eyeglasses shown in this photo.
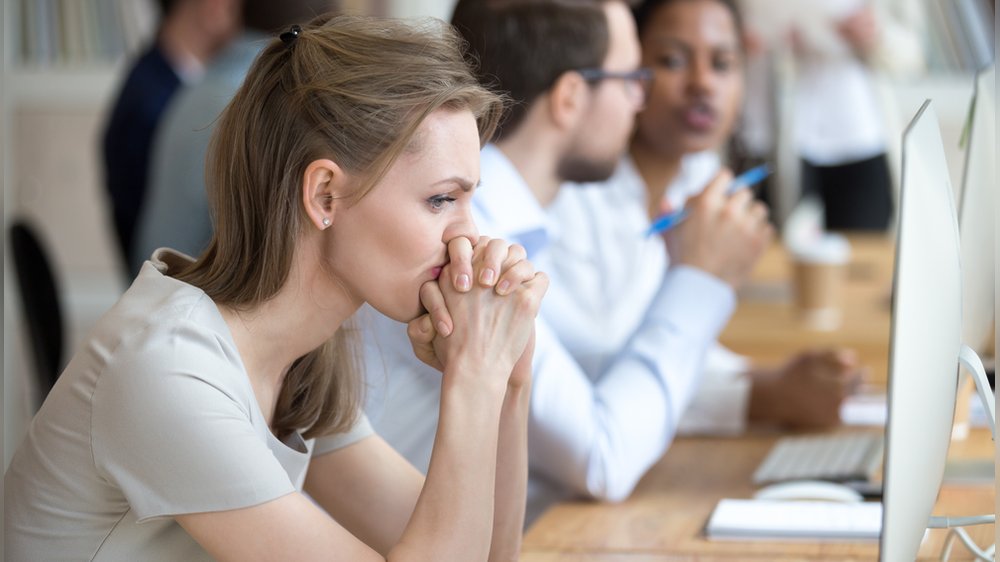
(637, 82)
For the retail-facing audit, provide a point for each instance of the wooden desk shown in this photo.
(664, 518)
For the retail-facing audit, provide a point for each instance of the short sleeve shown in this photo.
(330, 443)
(173, 426)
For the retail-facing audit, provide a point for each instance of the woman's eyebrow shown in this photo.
(675, 42)
(464, 183)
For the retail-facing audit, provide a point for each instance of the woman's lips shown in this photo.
(436, 271)
(699, 117)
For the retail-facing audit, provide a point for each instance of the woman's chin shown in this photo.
(402, 314)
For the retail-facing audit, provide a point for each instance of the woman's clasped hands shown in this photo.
(480, 309)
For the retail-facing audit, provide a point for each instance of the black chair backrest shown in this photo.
(40, 301)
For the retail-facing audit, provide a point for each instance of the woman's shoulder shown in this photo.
(163, 326)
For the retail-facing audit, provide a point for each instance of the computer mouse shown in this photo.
(808, 490)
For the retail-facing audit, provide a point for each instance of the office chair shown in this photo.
(40, 301)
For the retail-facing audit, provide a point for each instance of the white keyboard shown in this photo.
(839, 457)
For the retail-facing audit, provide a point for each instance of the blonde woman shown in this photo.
(218, 390)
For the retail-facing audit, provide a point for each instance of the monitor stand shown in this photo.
(974, 366)
(973, 471)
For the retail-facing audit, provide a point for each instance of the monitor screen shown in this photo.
(925, 340)
(975, 215)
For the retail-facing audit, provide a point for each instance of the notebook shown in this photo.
(738, 519)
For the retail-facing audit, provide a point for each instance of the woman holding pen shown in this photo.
(219, 389)
(695, 48)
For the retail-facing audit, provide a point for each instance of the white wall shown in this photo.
(13, 414)
(50, 120)
(54, 182)
(951, 96)
(440, 9)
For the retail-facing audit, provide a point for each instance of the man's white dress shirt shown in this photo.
(605, 273)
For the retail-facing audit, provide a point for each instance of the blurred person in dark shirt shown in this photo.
(190, 33)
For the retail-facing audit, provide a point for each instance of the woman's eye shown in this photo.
(670, 61)
(723, 64)
(439, 202)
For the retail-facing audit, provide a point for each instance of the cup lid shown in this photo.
(829, 248)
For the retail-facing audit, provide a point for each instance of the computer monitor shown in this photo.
(976, 215)
(925, 340)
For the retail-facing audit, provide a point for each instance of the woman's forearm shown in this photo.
(453, 518)
(511, 475)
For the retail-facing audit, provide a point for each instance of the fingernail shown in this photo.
(486, 277)
(503, 287)
(462, 282)
(443, 329)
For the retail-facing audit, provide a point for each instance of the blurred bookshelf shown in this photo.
(88, 33)
(72, 52)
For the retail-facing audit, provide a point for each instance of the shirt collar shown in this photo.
(697, 169)
(505, 205)
(628, 175)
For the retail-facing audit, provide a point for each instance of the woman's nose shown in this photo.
(464, 226)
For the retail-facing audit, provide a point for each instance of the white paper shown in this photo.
(870, 410)
(867, 410)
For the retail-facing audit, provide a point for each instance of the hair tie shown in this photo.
(291, 35)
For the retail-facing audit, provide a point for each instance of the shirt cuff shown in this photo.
(694, 299)
(719, 407)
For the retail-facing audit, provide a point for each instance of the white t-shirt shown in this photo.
(154, 417)
(838, 119)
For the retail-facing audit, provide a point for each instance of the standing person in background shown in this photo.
(842, 112)
(840, 118)
(605, 271)
(572, 70)
(175, 211)
(218, 392)
(190, 34)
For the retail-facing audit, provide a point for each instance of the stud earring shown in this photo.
(326, 221)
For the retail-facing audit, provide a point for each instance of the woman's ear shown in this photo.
(567, 99)
(322, 186)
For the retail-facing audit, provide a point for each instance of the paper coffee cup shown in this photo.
(820, 267)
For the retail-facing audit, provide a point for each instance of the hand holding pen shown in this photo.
(749, 178)
(726, 230)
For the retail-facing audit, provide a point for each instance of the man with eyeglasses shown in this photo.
(572, 72)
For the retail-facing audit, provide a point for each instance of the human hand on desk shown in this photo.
(487, 319)
(723, 235)
(807, 392)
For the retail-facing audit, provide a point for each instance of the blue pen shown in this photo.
(746, 179)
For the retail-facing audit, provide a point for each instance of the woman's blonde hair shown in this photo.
(349, 88)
